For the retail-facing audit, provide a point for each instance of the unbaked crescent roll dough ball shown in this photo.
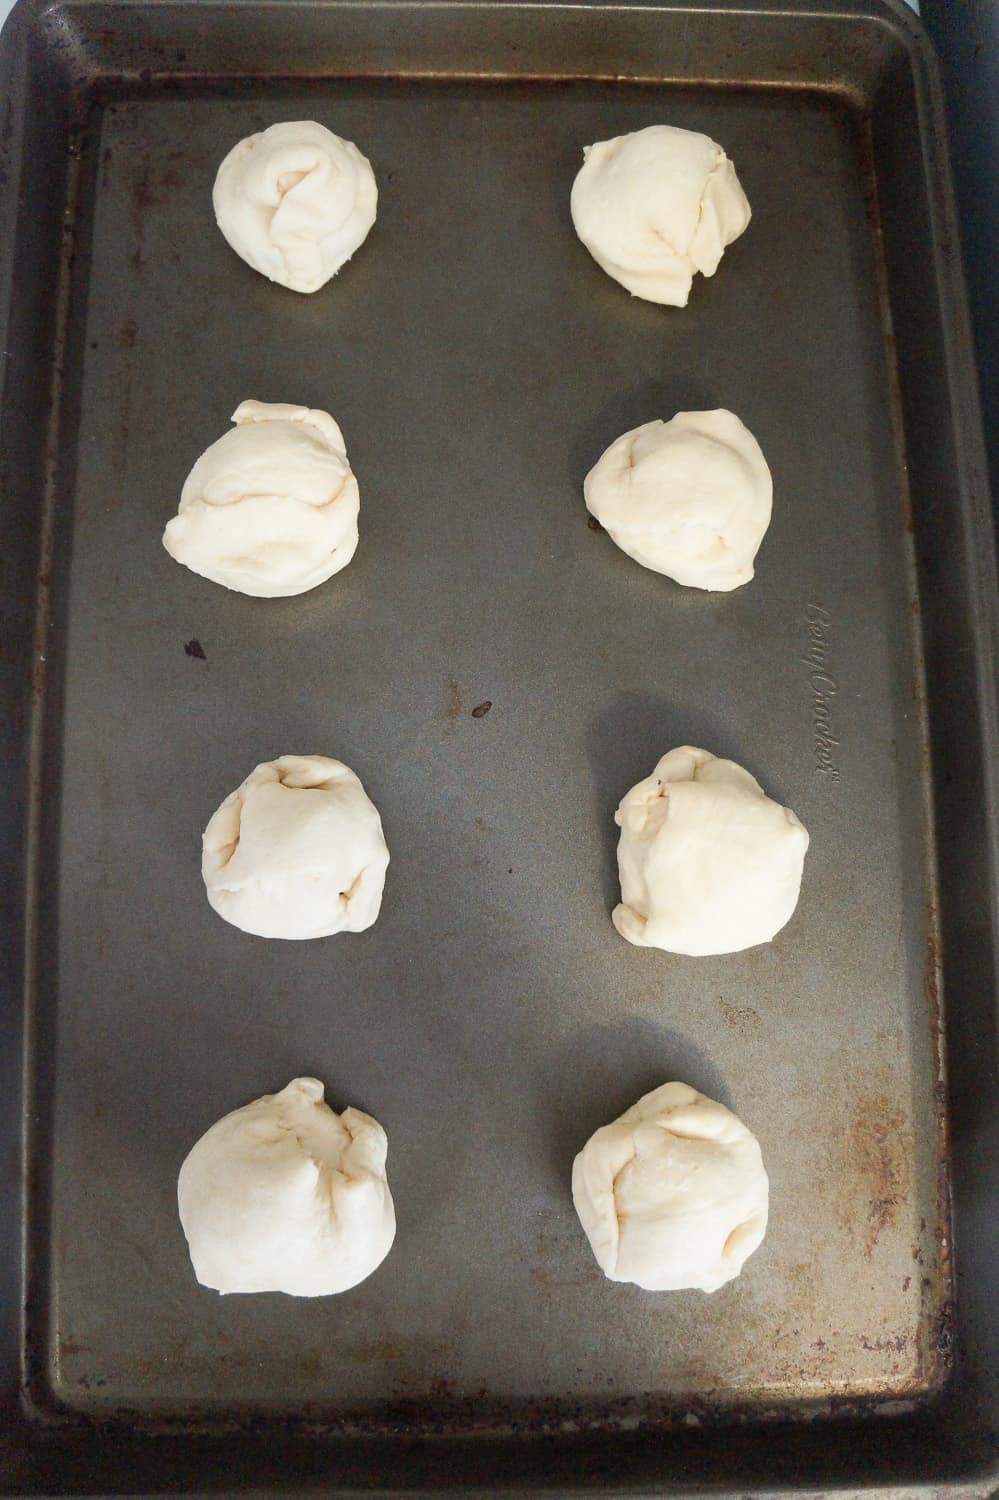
(708, 863)
(271, 508)
(295, 201)
(691, 498)
(284, 1195)
(673, 1194)
(656, 206)
(297, 851)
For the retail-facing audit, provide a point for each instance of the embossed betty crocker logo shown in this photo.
(823, 688)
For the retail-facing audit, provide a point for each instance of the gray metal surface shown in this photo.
(478, 362)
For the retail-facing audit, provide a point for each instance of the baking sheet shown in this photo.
(479, 362)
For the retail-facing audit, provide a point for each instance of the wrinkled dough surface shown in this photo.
(271, 508)
(295, 201)
(691, 498)
(672, 1195)
(297, 851)
(656, 206)
(708, 862)
(284, 1195)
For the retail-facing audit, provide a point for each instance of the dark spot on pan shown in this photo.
(946, 1330)
(897, 1345)
(593, 523)
(481, 709)
(196, 649)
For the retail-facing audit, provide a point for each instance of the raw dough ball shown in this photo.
(297, 851)
(708, 863)
(286, 1196)
(673, 1194)
(690, 498)
(295, 202)
(656, 206)
(271, 508)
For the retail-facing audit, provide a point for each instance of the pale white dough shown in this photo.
(690, 498)
(284, 1195)
(708, 863)
(295, 201)
(271, 508)
(656, 206)
(673, 1194)
(297, 851)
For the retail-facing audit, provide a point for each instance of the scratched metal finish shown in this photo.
(478, 362)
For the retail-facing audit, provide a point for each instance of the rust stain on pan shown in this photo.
(549, 1279)
(452, 701)
(882, 1149)
(70, 1347)
(942, 1348)
(141, 203)
(125, 339)
(877, 1164)
(150, 185)
(935, 1004)
(741, 1018)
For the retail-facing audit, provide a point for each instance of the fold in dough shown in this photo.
(271, 508)
(295, 201)
(656, 206)
(284, 1195)
(708, 863)
(673, 1194)
(297, 851)
(690, 498)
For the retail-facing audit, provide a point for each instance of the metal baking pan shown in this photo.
(479, 361)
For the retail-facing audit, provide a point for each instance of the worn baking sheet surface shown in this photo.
(478, 362)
